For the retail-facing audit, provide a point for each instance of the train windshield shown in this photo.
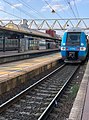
(73, 38)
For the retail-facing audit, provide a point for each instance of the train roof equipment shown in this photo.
(75, 29)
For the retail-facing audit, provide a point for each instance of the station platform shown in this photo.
(15, 73)
(10, 56)
(80, 109)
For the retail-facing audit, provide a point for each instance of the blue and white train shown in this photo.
(74, 46)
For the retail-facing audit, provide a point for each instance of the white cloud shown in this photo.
(72, 4)
(58, 6)
(29, 0)
(1, 7)
(76, 1)
(17, 5)
(55, 0)
(44, 8)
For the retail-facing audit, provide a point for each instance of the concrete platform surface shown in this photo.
(14, 73)
(85, 115)
(80, 109)
(13, 53)
(11, 56)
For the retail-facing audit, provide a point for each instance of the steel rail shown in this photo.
(3, 105)
(46, 111)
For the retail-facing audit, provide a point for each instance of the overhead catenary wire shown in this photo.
(67, 5)
(55, 11)
(52, 9)
(31, 8)
(71, 8)
(23, 11)
(10, 14)
(76, 8)
(62, 9)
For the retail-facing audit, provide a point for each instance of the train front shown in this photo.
(74, 46)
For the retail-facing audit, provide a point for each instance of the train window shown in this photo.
(73, 38)
(1, 41)
(15, 41)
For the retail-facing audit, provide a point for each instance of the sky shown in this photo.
(42, 9)
(36, 9)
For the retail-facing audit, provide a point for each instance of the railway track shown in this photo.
(36, 101)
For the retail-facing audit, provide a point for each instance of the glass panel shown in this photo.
(73, 38)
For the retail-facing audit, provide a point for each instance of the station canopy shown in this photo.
(19, 29)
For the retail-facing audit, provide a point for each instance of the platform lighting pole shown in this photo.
(18, 43)
(4, 42)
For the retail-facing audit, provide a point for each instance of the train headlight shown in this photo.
(63, 48)
(64, 44)
(82, 44)
(82, 48)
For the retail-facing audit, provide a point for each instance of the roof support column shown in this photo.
(4, 42)
(18, 44)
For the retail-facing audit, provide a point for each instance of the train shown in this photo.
(74, 45)
(29, 43)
